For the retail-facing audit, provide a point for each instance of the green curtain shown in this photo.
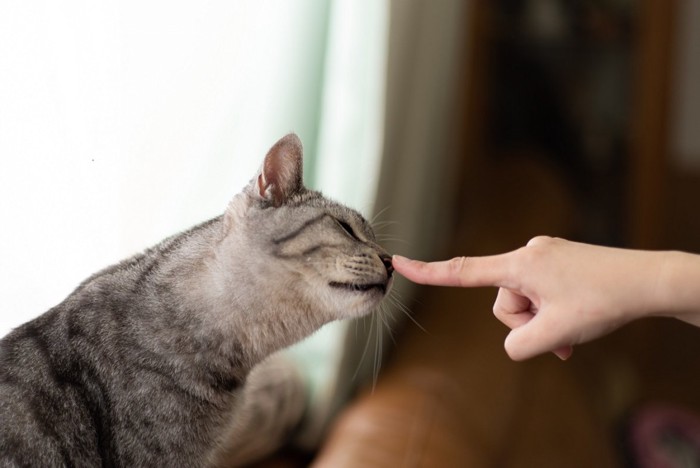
(124, 122)
(343, 161)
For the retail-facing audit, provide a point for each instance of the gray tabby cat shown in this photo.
(148, 362)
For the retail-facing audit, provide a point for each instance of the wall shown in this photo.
(685, 133)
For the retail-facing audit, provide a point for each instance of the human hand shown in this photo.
(554, 293)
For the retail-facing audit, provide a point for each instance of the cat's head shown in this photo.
(296, 247)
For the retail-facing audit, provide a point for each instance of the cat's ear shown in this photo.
(281, 174)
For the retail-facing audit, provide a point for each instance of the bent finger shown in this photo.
(535, 338)
(512, 309)
(564, 353)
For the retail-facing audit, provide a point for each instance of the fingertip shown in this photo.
(406, 267)
(514, 356)
(399, 259)
(521, 348)
(527, 341)
(401, 263)
(514, 351)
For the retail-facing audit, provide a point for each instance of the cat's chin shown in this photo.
(361, 288)
(368, 294)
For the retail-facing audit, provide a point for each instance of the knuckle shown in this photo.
(458, 268)
(540, 240)
(500, 305)
(534, 253)
(497, 311)
(457, 264)
(523, 262)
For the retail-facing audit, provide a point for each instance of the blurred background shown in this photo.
(574, 119)
(469, 126)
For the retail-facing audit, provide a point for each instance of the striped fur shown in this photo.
(148, 362)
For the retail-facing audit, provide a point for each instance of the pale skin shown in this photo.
(554, 294)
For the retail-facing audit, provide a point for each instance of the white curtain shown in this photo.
(122, 122)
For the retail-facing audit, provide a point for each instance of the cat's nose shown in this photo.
(386, 260)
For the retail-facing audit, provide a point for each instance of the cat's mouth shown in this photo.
(355, 287)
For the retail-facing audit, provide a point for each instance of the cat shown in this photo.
(160, 360)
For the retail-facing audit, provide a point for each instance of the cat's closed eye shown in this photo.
(348, 229)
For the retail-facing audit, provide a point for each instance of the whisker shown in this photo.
(377, 353)
(399, 240)
(406, 311)
(382, 224)
(399, 297)
(385, 316)
(378, 214)
(366, 348)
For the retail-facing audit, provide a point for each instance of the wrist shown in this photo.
(677, 288)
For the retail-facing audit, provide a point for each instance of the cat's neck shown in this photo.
(234, 296)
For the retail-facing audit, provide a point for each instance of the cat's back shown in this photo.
(57, 373)
(94, 382)
(44, 417)
(70, 392)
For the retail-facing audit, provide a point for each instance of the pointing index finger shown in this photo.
(459, 271)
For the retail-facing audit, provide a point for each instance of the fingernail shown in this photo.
(398, 258)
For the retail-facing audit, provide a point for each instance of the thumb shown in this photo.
(535, 338)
